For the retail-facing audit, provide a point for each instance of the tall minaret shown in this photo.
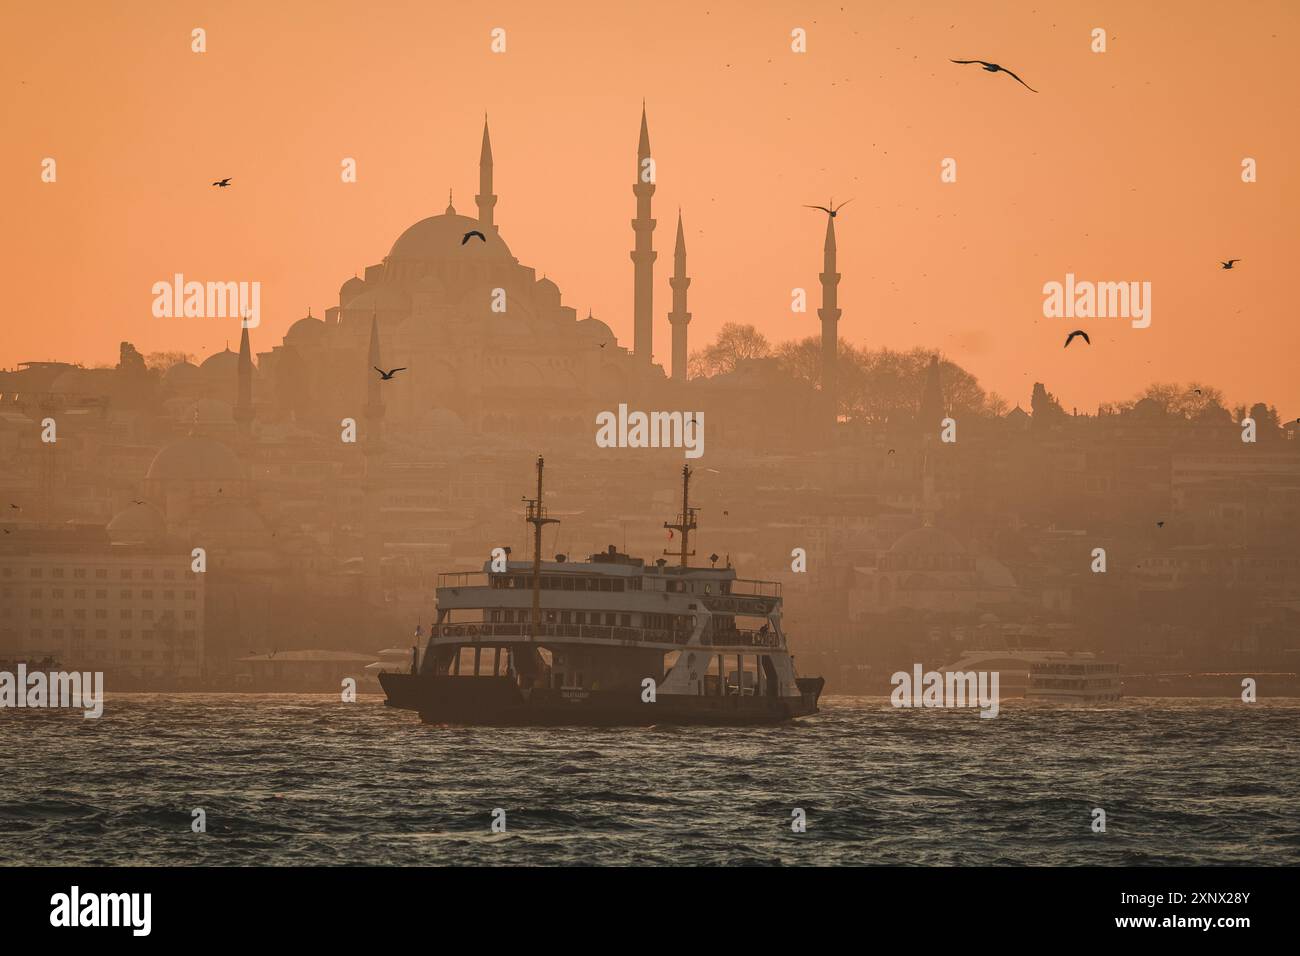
(643, 256)
(373, 451)
(931, 409)
(829, 313)
(679, 318)
(486, 201)
(244, 390)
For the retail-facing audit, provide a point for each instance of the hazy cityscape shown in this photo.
(935, 520)
(724, 437)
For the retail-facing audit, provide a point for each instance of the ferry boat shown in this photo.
(1075, 681)
(604, 642)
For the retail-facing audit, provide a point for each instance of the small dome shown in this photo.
(927, 540)
(1148, 408)
(181, 374)
(306, 329)
(350, 290)
(548, 292)
(137, 523)
(195, 459)
(222, 367)
(441, 237)
(595, 329)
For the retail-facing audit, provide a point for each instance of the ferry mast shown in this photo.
(536, 516)
(686, 520)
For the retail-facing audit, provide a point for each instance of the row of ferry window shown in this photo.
(598, 618)
(565, 582)
(575, 582)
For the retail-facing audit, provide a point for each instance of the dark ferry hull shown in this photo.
(497, 701)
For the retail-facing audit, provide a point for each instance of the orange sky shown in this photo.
(1125, 166)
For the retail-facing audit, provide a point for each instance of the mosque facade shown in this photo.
(482, 336)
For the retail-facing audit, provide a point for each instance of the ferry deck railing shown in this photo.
(477, 631)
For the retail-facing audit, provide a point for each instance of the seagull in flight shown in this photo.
(390, 373)
(1229, 263)
(994, 68)
(833, 208)
(1077, 332)
(223, 183)
(471, 234)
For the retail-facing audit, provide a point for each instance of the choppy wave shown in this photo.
(289, 779)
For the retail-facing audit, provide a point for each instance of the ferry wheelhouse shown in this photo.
(606, 641)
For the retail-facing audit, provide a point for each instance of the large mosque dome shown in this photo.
(194, 459)
(139, 522)
(596, 329)
(439, 237)
(222, 367)
(181, 375)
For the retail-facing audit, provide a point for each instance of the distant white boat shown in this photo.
(392, 660)
(1076, 681)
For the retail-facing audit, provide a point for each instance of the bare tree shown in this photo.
(878, 386)
(162, 361)
(734, 344)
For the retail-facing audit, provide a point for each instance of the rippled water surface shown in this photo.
(305, 779)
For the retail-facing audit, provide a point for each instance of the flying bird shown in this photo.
(1079, 332)
(223, 183)
(1228, 264)
(833, 208)
(14, 506)
(994, 68)
(389, 374)
(136, 501)
(1160, 524)
(469, 235)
